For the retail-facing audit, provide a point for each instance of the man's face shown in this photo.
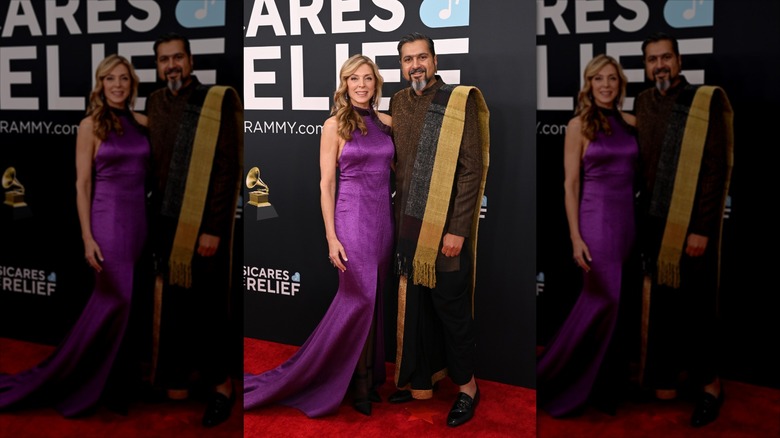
(662, 66)
(173, 64)
(418, 64)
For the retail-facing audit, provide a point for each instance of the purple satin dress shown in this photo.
(568, 368)
(316, 378)
(73, 377)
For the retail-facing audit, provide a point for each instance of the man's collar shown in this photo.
(432, 88)
(674, 89)
(194, 82)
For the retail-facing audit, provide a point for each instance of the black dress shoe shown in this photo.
(374, 396)
(463, 409)
(401, 396)
(218, 409)
(362, 405)
(707, 409)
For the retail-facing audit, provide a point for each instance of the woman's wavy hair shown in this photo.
(104, 120)
(349, 120)
(593, 120)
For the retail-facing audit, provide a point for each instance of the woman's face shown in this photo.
(361, 86)
(116, 86)
(605, 86)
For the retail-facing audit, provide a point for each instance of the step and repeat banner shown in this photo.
(730, 44)
(48, 55)
(292, 55)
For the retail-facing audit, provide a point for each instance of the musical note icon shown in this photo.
(689, 13)
(202, 12)
(196, 13)
(445, 14)
(696, 13)
(434, 15)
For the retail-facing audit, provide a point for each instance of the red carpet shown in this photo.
(749, 411)
(163, 419)
(503, 411)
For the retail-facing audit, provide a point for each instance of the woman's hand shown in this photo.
(336, 254)
(581, 254)
(93, 255)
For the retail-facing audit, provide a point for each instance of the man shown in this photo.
(686, 142)
(441, 166)
(197, 146)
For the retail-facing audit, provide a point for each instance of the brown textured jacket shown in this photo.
(408, 111)
(164, 111)
(652, 112)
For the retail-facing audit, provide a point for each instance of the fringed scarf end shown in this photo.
(424, 274)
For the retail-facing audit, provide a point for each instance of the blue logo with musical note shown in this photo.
(197, 13)
(296, 277)
(689, 13)
(52, 277)
(445, 13)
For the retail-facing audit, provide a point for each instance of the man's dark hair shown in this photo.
(660, 36)
(416, 36)
(172, 36)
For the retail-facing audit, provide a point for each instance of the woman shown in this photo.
(347, 342)
(600, 160)
(112, 153)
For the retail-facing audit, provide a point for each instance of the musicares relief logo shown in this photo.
(27, 281)
(268, 25)
(626, 24)
(271, 281)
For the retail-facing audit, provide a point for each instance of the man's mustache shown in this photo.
(661, 70)
(417, 70)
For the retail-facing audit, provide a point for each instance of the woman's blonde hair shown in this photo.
(104, 120)
(593, 120)
(348, 119)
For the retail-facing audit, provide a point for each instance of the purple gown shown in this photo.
(567, 370)
(316, 378)
(73, 377)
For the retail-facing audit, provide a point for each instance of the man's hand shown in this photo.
(696, 245)
(207, 245)
(451, 245)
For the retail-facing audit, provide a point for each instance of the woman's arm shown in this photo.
(85, 152)
(141, 119)
(629, 118)
(574, 146)
(330, 145)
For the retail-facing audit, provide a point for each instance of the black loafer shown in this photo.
(401, 396)
(463, 409)
(707, 409)
(218, 409)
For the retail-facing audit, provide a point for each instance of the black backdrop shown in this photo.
(731, 44)
(288, 280)
(48, 55)
(46, 73)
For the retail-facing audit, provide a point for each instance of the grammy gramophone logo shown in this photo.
(259, 197)
(14, 194)
(14, 190)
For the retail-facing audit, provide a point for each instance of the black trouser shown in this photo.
(194, 326)
(683, 330)
(451, 303)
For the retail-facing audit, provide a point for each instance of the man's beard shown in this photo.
(663, 84)
(418, 84)
(175, 84)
